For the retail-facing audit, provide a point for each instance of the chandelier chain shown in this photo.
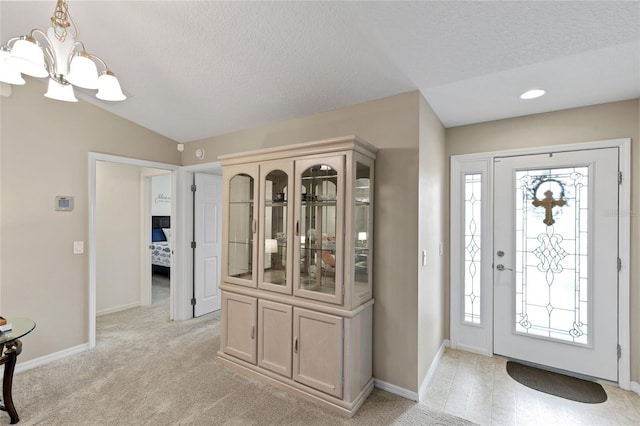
(62, 20)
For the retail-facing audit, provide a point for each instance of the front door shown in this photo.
(555, 260)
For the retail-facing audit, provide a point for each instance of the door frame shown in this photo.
(479, 337)
(94, 157)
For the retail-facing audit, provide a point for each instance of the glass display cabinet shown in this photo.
(318, 229)
(297, 300)
(239, 233)
(275, 212)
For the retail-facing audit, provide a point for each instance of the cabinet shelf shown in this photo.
(319, 203)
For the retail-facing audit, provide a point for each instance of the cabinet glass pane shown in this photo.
(318, 229)
(275, 228)
(241, 193)
(362, 229)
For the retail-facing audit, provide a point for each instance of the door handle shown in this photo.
(500, 267)
(253, 226)
(253, 331)
(295, 345)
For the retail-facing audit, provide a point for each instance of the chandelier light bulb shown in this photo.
(27, 57)
(60, 92)
(109, 88)
(8, 74)
(83, 72)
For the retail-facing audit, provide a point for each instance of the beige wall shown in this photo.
(118, 219)
(433, 295)
(390, 124)
(45, 146)
(598, 122)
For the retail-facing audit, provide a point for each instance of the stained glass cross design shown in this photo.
(548, 202)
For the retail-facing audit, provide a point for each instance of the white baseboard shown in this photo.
(118, 309)
(635, 387)
(396, 390)
(422, 391)
(474, 349)
(36, 362)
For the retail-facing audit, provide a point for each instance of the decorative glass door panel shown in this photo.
(362, 231)
(241, 229)
(276, 211)
(555, 260)
(318, 269)
(552, 292)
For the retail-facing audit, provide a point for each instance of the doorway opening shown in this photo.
(120, 235)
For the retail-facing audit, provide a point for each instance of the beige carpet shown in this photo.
(147, 370)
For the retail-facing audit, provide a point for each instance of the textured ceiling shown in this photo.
(199, 69)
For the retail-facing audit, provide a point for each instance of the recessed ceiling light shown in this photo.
(532, 94)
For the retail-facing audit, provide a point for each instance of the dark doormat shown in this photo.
(557, 384)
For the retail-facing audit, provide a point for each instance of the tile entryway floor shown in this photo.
(478, 388)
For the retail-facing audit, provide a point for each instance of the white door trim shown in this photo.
(94, 157)
(484, 343)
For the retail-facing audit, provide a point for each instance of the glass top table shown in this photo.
(19, 327)
(10, 348)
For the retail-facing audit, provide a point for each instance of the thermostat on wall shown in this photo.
(64, 204)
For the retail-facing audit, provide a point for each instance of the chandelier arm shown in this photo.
(11, 41)
(97, 58)
(49, 54)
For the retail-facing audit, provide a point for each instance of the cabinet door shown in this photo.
(275, 322)
(319, 228)
(239, 326)
(241, 224)
(361, 203)
(317, 350)
(276, 213)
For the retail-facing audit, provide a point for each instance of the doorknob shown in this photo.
(500, 267)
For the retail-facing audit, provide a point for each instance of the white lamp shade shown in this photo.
(83, 73)
(8, 74)
(109, 88)
(270, 246)
(28, 59)
(60, 92)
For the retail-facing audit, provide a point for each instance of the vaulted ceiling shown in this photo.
(195, 69)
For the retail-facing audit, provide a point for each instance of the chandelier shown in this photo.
(60, 57)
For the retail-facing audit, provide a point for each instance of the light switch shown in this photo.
(78, 247)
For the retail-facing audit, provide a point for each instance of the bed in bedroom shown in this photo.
(161, 244)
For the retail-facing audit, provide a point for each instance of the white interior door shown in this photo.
(556, 260)
(208, 233)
